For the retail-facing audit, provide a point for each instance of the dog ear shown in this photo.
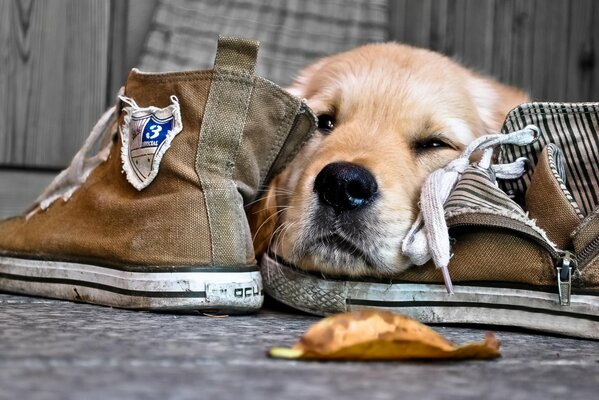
(263, 219)
(494, 101)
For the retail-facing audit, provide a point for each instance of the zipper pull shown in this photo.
(564, 268)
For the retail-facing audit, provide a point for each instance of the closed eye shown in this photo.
(432, 143)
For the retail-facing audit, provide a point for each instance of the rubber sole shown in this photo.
(225, 290)
(430, 303)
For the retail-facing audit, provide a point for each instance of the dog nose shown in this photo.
(345, 186)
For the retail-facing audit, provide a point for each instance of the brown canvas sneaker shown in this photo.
(532, 263)
(155, 220)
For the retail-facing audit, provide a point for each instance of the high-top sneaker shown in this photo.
(155, 219)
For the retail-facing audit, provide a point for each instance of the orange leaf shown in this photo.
(380, 335)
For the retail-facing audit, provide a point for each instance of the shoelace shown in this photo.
(428, 238)
(71, 178)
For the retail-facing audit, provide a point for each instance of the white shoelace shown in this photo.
(428, 238)
(71, 178)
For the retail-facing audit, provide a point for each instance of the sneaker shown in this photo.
(502, 251)
(155, 220)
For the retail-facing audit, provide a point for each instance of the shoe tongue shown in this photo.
(549, 201)
(477, 192)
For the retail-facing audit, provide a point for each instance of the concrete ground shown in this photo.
(61, 350)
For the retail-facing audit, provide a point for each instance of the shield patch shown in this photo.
(147, 134)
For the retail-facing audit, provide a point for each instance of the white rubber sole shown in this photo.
(226, 290)
(430, 303)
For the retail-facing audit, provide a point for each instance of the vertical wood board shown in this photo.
(55, 57)
(550, 48)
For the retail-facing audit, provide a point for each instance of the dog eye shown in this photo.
(431, 144)
(326, 123)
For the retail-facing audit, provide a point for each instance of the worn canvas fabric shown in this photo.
(228, 132)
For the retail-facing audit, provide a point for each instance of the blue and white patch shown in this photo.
(147, 134)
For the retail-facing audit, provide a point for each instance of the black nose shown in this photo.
(345, 186)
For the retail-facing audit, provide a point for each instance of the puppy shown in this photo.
(388, 115)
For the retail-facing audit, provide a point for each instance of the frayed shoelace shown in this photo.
(71, 178)
(428, 238)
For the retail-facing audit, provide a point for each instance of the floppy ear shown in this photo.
(263, 219)
(494, 100)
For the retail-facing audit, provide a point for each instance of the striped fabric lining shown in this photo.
(556, 165)
(556, 162)
(477, 191)
(573, 128)
(293, 33)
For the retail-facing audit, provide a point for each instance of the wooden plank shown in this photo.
(6, 75)
(117, 33)
(503, 37)
(521, 71)
(549, 56)
(139, 21)
(452, 28)
(474, 32)
(458, 28)
(438, 35)
(582, 52)
(548, 47)
(418, 22)
(130, 22)
(19, 189)
(441, 38)
(54, 77)
(397, 20)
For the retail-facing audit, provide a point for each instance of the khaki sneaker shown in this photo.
(155, 220)
(533, 265)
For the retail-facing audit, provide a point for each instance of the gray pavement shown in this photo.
(61, 350)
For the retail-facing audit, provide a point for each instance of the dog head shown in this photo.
(388, 115)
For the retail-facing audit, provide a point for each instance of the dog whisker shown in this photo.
(268, 208)
(279, 233)
(274, 215)
(259, 199)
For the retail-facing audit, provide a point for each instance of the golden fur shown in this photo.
(388, 100)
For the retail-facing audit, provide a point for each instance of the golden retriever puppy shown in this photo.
(388, 115)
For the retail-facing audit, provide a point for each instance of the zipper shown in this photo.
(564, 268)
(588, 252)
(564, 261)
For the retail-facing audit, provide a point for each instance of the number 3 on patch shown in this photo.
(156, 129)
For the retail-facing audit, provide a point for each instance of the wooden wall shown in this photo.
(548, 47)
(61, 62)
(55, 58)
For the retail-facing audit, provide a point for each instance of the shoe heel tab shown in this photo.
(236, 54)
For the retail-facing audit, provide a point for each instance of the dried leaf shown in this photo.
(381, 335)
